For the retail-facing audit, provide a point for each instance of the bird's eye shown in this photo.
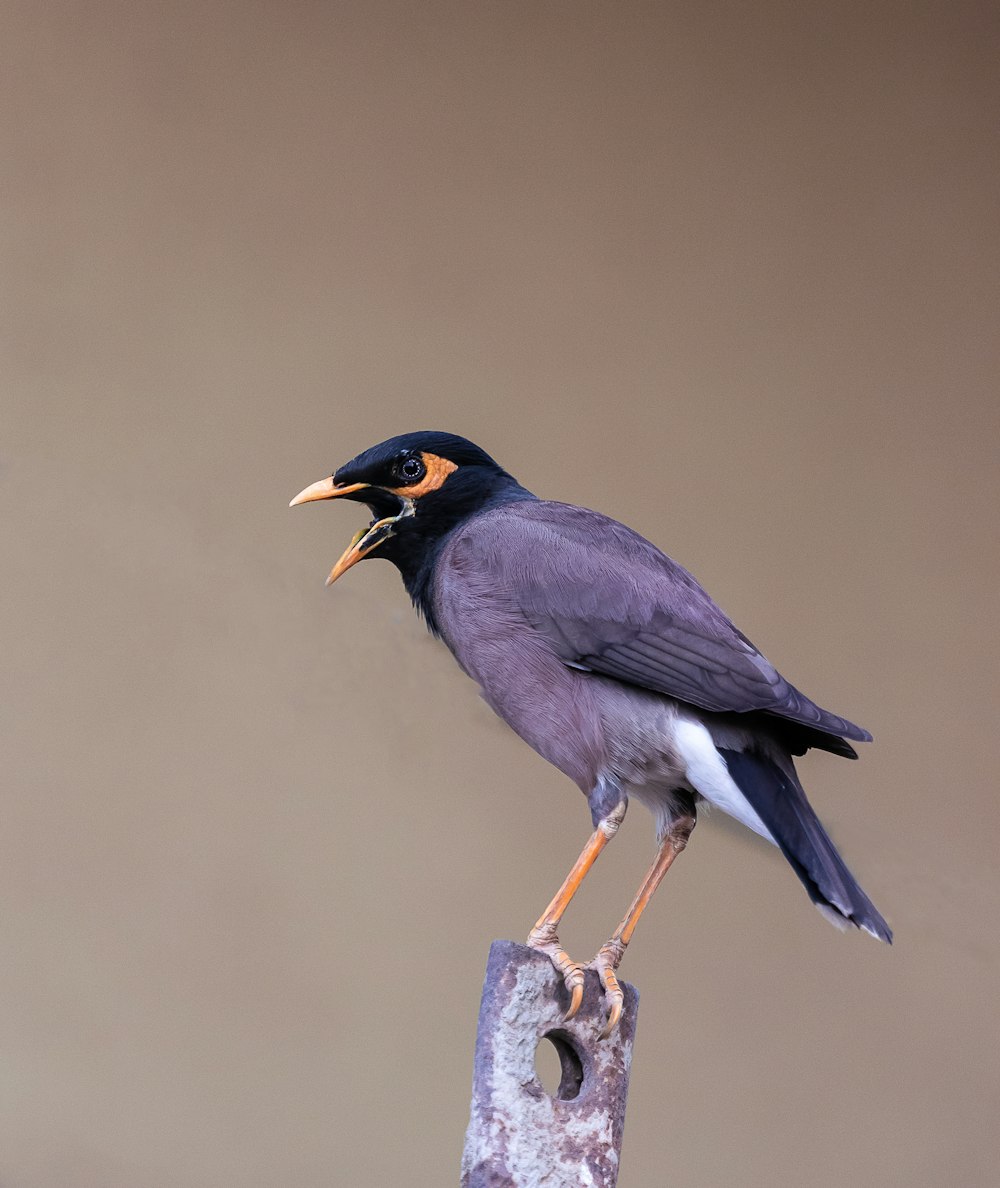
(411, 470)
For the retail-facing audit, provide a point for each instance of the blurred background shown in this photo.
(727, 272)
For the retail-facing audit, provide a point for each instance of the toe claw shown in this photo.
(576, 992)
(605, 963)
(614, 1015)
(543, 939)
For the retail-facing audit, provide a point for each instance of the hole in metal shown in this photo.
(562, 1062)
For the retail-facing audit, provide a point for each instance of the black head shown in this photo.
(418, 486)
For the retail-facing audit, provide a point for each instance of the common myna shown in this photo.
(607, 658)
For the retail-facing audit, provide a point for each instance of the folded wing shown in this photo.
(611, 602)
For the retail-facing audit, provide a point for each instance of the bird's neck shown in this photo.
(416, 551)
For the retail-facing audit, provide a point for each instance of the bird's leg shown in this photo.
(609, 955)
(544, 936)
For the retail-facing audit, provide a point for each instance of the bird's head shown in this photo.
(418, 487)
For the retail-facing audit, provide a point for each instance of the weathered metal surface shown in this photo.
(520, 1136)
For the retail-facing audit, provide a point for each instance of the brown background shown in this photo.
(727, 272)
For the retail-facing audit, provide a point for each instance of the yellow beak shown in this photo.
(325, 489)
(365, 540)
(362, 544)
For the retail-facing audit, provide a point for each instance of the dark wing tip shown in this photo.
(800, 708)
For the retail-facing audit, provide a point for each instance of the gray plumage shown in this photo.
(613, 663)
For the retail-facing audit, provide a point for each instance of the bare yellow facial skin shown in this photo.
(437, 469)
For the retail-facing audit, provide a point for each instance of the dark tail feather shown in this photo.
(780, 802)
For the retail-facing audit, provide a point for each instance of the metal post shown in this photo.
(518, 1135)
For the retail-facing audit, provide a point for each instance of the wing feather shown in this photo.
(609, 601)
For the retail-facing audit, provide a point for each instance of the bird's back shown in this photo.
(606, 600)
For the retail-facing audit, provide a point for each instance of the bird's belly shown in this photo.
(639, 733)
(661, 753)
(643, 758)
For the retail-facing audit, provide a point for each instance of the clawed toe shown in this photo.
(576, 994)
(606, 963)
(545, 941)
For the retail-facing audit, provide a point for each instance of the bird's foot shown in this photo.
(543, 937)
(606, 962)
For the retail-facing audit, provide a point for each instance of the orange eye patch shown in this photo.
(437, 469)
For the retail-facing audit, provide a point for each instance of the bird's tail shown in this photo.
(779, 801)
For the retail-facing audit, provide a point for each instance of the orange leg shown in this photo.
(610, 954)
(544, 936)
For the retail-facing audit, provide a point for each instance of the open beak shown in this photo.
(364, 541)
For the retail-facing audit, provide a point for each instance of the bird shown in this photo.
(607, 658)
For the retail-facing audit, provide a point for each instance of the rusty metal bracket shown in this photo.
(519, 1136)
